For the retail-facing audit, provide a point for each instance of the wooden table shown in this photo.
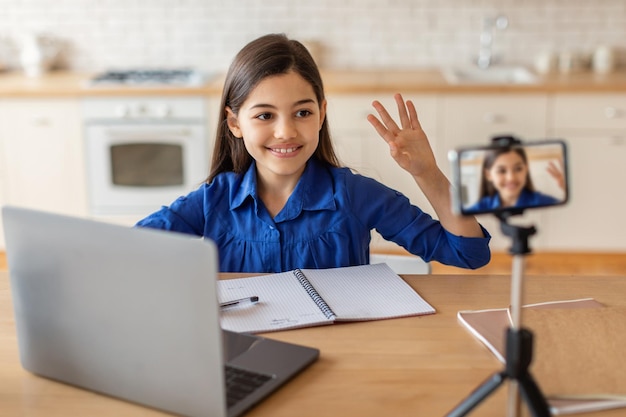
(418, 366)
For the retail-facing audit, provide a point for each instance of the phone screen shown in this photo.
(519, 176)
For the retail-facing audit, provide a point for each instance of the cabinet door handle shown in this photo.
(612, 112)
(493, 118)
(153, 134)
(40, 121)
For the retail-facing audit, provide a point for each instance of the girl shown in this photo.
(277, 199)
(506, 182)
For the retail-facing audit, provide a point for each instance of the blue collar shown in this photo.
(314, 191)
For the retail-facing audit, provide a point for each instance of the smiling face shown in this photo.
(279, 123)
(508, 176)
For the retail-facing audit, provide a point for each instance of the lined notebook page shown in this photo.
(367, 292)
(283, 304)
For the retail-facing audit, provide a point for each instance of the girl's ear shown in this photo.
(233, 123)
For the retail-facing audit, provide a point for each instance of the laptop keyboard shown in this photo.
(240, 383)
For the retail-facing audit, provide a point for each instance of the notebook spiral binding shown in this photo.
(317, 299)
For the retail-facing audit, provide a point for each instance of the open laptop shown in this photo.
(133, 313)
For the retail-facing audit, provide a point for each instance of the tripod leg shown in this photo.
(532, 395)
(519, 352)
(478, 395)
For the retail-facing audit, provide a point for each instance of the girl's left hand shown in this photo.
(408, 145)
(410, 148)
(557, 173)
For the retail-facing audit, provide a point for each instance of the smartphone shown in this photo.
(509, 176)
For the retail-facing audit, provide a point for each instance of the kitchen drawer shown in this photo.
(149, 108)
(589, 111)
(350, 111)
(474, 119)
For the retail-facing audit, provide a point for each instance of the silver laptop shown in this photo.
(133, 313)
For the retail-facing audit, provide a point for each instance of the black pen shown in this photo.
(242, 301)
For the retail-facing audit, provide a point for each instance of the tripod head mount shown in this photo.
(519, 234)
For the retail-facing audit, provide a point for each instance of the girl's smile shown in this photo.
(283, 152)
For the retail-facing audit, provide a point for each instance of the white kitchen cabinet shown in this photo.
(43, 155)
(468, 120)
(594, 127)
(588, 112)
(362, 149)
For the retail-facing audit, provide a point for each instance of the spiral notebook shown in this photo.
(313, 297)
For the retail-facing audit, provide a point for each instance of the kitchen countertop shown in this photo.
(432, 81)
(72, 84)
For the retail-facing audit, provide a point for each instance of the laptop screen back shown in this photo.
(131, 313)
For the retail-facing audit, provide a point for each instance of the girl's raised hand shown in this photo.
(409, 147)
(408, 144)
(557, 173)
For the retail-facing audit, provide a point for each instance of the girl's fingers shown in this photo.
(415, 123)
(386, 127)
(380, 128)
(385, 117)
(408, 113)
(404, 117)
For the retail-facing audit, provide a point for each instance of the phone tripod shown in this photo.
(519, 341)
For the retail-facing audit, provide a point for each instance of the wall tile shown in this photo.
(355, 33)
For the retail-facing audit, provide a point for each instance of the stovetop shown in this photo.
(149, 77)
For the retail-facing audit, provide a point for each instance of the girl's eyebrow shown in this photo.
(296, 104)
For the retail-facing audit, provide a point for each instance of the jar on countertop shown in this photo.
(38, 53)
(603, 60)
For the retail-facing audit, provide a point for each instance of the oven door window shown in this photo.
(147, 164)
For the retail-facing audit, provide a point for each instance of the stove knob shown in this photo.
(163, 111)
(141, 110)
(122, 111)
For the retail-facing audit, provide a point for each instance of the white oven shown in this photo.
(143, 152)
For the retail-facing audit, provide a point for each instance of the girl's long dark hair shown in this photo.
(486, 187)
(266, 56)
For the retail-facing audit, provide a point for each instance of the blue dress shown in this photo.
(326, 223)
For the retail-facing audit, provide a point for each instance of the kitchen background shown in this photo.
(62, 119)
(205, 34)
